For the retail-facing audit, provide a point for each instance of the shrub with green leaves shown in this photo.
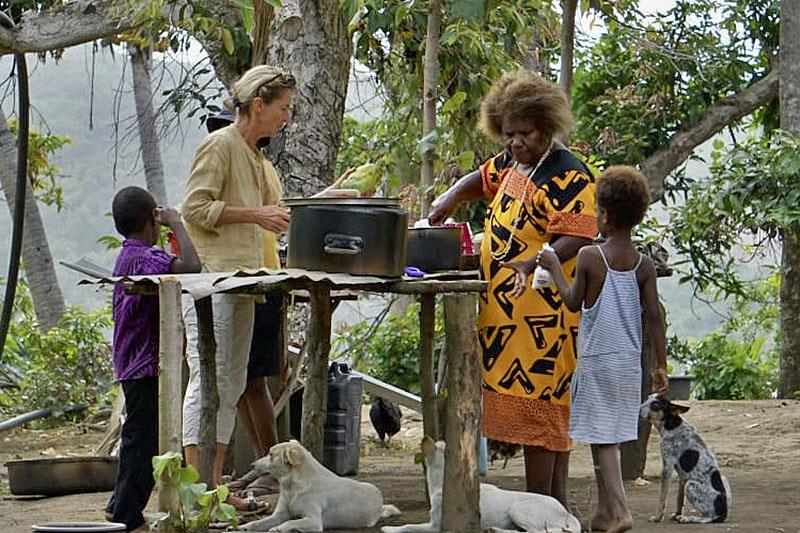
(388, 350)
(192, 505)
(68, 365)
(740, 360)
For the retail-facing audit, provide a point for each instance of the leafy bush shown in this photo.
(193, 507)
(740, 360)
(388, 348)
(70, 364)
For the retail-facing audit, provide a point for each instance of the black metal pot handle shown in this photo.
(336, 244)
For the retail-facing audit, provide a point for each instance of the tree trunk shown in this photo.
(430, 77)
(146, 122)
(48, 301)
(789, 94)
(567, 45)
(319, 58)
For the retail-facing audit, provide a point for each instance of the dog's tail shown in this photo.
(388, 511)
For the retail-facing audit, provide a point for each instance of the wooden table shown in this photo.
(460, 505)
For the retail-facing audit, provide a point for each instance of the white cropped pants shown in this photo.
(233, 332)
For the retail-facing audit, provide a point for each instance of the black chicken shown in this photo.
(502, 450)
(385, 417)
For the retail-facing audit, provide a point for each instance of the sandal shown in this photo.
(244, 506)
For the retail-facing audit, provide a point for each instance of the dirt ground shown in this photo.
(756, 443)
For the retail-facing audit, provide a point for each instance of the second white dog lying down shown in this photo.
(501, 510)
(312, 498)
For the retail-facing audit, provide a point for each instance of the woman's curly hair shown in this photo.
(525, 95)
(623, 193)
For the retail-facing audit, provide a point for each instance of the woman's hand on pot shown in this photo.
(441, 208)
(522, 269)
(272, 218)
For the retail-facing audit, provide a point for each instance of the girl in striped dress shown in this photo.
(613, 284)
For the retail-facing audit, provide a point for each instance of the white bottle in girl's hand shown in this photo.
(541, 276)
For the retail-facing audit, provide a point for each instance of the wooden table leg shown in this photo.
(427, 321)
(207, 347)
(461, 493)
(315, 395)
(170, 356)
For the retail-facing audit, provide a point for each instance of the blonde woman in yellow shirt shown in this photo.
(232, 196)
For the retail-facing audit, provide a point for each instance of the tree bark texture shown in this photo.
(569, 7)
(37, 260)
(790, 257)
(461, 491)
(315, 394)
(65, 25)
(430, 75)
(146, 122)
(659, 165)
(319, 58)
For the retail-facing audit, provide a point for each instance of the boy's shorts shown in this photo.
(265, 347)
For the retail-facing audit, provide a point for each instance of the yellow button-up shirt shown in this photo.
(226, 171)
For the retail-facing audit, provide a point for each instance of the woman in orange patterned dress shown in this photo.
(538, 193)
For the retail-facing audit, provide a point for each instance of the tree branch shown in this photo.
(65, 25)
(658, 166)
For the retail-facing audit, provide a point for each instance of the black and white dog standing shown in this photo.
(684, 450)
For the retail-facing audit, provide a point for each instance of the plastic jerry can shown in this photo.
(342, 432)
(343, 424)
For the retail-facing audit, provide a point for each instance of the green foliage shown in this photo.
(754, 189)
(647, 77)
(740, 360)
(70, 364)
(41, 172)
(390, 40)
(388, 349)
(196, 507)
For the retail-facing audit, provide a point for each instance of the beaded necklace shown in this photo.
(514, 225)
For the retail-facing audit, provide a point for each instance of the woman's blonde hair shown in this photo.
(525, 95)
(263, 81)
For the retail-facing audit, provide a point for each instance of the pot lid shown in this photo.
(362, 202)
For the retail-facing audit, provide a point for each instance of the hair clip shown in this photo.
(236, 102)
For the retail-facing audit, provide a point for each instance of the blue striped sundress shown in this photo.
(606, 386)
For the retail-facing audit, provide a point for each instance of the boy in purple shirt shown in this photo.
(135, 344)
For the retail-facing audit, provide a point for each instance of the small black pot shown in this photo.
(364, 236)
(434, 248)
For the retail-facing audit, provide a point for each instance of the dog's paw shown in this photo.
(656, 518)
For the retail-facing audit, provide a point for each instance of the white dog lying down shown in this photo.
(501, 510)
(312, 498)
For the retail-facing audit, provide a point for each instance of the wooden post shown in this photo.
(427, 322)
(282, 418)
(170, 355)
(461, 492)
(209, 403)
(315, 395)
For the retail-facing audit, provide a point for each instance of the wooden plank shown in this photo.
(315, 394)
(461, 492)
(427, 319)
(209, 403)
(170, 357)
(390, 392)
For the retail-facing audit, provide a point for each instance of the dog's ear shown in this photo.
(678, 408)
(428, 446)
(294, 455)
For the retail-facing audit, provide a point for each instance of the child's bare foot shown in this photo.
(619, 525)
(600, 522)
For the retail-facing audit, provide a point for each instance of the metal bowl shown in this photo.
(62, 475)
(78, 527)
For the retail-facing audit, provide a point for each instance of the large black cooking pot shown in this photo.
(352, 235)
